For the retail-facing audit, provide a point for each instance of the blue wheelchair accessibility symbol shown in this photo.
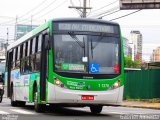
(94, 68)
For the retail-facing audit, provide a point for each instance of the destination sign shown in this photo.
(87, 27)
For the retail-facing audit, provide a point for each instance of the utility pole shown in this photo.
(83, 9)
(31, 21)
(15, 34)
(6, 45)
(7, 36)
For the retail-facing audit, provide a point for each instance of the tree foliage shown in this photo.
(129, 63)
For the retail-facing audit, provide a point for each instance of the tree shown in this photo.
(129, 63)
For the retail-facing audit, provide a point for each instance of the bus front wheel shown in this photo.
(1, 96)
(96, 109)
(38, 107)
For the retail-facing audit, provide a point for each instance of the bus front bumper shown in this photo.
(64, 96)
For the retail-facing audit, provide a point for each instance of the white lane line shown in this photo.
(118, 113)
(3, 112)
(22, 111)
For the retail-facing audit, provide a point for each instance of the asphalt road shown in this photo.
(109, 113)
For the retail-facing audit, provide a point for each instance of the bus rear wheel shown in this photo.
(13, 103)
(96, 109)
(38, 107)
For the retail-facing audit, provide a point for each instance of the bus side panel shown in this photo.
(34, 78)
(17, 84)
(25, 91)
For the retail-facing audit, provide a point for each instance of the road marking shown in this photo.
(22, 111)
(3, 112)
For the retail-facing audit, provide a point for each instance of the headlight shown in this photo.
(115, 85)
(58, 83)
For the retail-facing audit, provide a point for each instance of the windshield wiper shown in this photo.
(82, 45)
(98, 41)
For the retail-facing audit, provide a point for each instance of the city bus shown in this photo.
(67, 62)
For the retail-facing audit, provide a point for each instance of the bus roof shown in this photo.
(84, 20)
(46, 25)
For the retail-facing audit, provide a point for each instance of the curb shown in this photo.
(146, 107)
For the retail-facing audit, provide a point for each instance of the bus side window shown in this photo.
(26, 59)
(39, 43)
(33, 54)
(17, 60)
(21, 58)
(38, 53)
(13, 61)
(28, 66)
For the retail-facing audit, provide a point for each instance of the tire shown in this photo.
(38, 107)
(1, 97)
(13, 103)
(21, 103)
(96, 109)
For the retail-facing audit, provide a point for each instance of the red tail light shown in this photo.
(116, 68)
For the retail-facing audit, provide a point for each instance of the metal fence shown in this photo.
(143, 84)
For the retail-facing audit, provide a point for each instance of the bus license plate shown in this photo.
(87, 97)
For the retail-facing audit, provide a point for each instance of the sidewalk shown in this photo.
(141, 104)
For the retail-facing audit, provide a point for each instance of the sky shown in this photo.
(38, 11)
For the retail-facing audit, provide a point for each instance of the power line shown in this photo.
(53, 9)
(126, 15)
(10, 21)
(104, 12)
(103, 7)
(33, 8)
(40, 11)
(108, 14)
(83, 9)
(6, 17)
(44, 8)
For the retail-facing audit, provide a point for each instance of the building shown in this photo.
(127, 47)
(136, 40)
(21, 30)
(156, 55)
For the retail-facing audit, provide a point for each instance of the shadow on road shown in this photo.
(63, 111)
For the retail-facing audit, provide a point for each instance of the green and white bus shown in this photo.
(67, 62)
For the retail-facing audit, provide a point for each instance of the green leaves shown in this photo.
(129, 63)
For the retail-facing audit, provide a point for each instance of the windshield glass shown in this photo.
(92, 54)
(69, 51)
(103, 54)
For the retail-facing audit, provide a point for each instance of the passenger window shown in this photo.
(18, 52)
(21, 51)
(28, 51)
(36, 45)
(39, 43)
(33, 45)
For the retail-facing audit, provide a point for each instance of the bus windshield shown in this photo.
(90, 54)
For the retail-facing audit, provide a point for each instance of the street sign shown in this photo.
(139, 4)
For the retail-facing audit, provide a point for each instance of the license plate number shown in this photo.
(87, 97)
